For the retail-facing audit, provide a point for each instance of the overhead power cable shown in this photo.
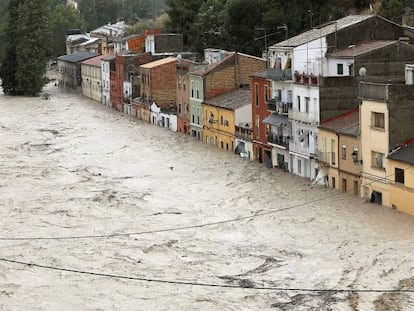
(204, 284)
(208, 224)
(112, 235)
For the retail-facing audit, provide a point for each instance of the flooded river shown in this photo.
(116, 214)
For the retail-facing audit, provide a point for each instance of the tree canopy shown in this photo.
(27, 47)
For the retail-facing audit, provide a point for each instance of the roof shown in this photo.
(77, 57)
(232, 100)
(95, 61)
(275, 119)
(404, 153)
(112, 30)
(159, 62)
(90, 41)
(346, 123)
(274, 74)
(360, 49)
(108, 57)
(323, 30)
(77, 37)
(208, 68)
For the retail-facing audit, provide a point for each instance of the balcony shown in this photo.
(272, 104)
(243, 133)
(306, 79)
(305, 117)
(297, 147)
(276, 105)
(326, 157)
(279, 140)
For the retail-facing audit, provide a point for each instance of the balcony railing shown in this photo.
(243, 133)
(306, 79)
(278, 140)
(272, 104)
(326, 157)
(276, 105)
(305, 117)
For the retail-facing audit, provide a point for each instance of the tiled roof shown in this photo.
(208, 68)
(404, 154)
(231, 100)
(77, 57)
(159, 62)
(346, 123)
(95, 61)
(322, 30)
(360, 49)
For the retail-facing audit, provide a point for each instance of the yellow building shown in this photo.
(222, 114)
(375, 146)
(339, 151)
(92, 78)
(401, 175)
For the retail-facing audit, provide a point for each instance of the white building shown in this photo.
(308, 57)
(106, 81)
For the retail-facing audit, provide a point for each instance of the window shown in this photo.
(399, 175)
(226, 122)
(179, 108)
(377, 159)
(340, 69)
(267, 129)
(299, 166)
(307, 100)
(256, 94)
(333, 153)
(257, 124)
(198, 115)
(343, 152)
(333, 183)
(221, 120)
(192, 88)
(266, 93)
(377, 120)
(298, 101)
(198, 90)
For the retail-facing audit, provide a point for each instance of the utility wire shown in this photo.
(236, 219)
(202, 284)
(111, 235)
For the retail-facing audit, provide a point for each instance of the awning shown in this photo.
(275, 119)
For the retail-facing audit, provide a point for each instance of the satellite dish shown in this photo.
(362, 71)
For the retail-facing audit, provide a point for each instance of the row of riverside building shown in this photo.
(334, 104)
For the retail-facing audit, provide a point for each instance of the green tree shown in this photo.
(23, 68)
(182, 15)
(9, 60)
(63, 18)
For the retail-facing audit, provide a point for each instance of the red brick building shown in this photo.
(121, 70)
(158, 83)
(261, 93)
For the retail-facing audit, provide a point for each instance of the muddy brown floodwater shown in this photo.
(70, 167)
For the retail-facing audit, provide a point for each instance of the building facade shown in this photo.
(69, 69)
(92, 78)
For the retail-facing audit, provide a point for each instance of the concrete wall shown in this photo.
(91, 82)
(402, 195)
(243, 115)
(401, 114)
(337, 95)
(375, 28)
(308, 57)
